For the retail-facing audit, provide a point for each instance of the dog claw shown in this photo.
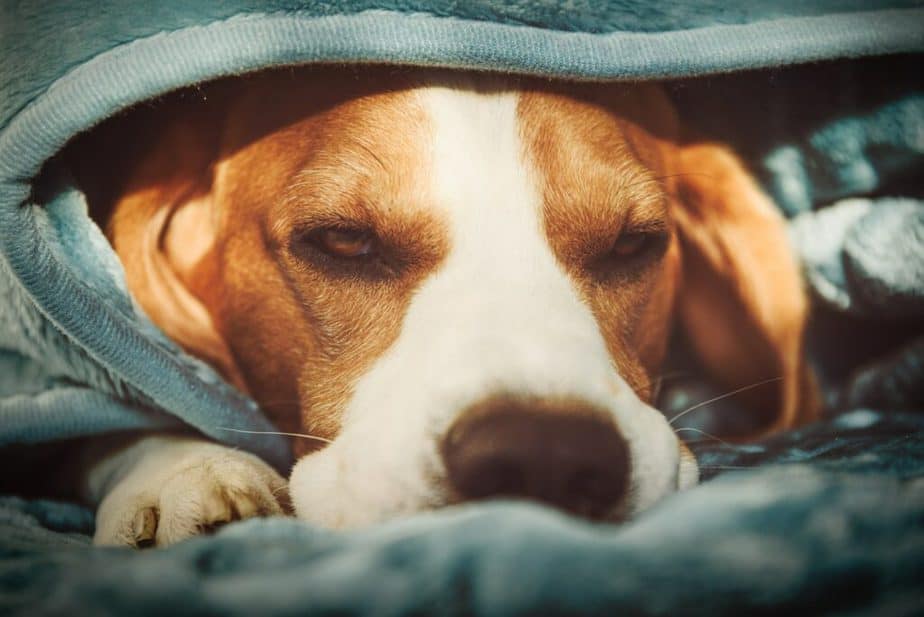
(144, 526)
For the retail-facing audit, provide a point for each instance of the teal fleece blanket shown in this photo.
(833, 125)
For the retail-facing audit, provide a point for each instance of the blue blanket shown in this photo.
(830, 517)
(821, 536)
(830, 524)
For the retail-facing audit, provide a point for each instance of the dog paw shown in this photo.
(179, 489)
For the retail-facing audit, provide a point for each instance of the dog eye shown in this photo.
(344, 242)
(631, 244)
(630, 254)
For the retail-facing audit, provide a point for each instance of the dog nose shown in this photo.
(570, 458)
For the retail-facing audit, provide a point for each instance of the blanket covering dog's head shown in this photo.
(466, 283)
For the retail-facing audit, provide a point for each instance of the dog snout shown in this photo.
(565, 456)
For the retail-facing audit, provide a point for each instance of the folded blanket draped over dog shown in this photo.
(838, 144)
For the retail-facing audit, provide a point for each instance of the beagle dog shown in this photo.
(453, 286)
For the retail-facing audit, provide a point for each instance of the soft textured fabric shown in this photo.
(838, 144)
(834, 527)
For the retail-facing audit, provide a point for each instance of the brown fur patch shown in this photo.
(610, 159)
(300, 326)
(599, 179)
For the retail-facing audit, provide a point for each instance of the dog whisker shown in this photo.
(660, 379)
(725, 467)
(656, 390)
(704, 433)
(302, 435)
(720, 397)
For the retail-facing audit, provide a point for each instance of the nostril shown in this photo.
(569, 457)
(495, 477)
(589, 490)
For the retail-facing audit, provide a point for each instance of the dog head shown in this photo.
(465, 283)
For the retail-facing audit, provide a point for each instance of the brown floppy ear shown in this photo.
(163, 228)
(742, 301)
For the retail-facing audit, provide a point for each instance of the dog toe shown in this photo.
(209, 498)
(198, 497)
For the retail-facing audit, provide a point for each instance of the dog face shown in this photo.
(465, 283)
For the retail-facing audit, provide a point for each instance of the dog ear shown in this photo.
(163, 228)
(742, 301)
